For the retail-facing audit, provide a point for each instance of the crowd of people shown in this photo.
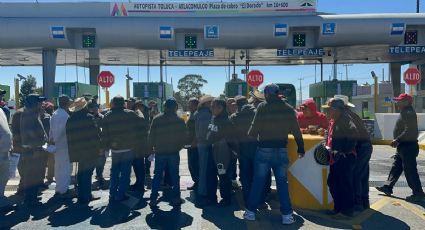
(218, 133)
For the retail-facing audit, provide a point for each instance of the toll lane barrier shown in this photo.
(307, 179)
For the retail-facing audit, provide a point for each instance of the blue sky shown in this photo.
(216, 76)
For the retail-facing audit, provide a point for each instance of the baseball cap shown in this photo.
(170, 103)
(403, 97)
(132, 99)
(271, 89)
(33, 99)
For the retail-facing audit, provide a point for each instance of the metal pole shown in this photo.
(127, 84)
(17, 94)
(107, 98)
(375, 93)
(321, 70)
(301, 90)
(418, 2)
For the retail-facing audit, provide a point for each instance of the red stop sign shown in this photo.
(255, 78)
(105, 79)
(412, 76)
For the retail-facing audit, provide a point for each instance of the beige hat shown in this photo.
(205, 99)
(79, 104)
(342, 97)
(256, 95)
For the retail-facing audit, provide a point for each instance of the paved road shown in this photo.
(386, 213)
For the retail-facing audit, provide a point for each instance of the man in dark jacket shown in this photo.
(83, 147)
(202, 120)
(33, 137)
(220, 132)
(242, 121)
(166, 139)
(273, 121)
(141, 148)
(120, 133)
(341, 143)
(406, 142)
(101, 160)
(192, 151)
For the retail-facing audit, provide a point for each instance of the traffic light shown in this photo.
(190, 42)
(89, 41)
(298, 40)
(411, 37)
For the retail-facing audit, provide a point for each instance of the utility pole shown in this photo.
(346, 70)
(301, 90)
(418, 3)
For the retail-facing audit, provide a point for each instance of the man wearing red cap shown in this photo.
(406, 141)
(310, 116)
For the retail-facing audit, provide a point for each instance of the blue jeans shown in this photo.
(204, 151)
(266, 159)
(84, 179)
(120, 174)
(171, 163)
(4, 177)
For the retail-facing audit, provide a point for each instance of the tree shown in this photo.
(189, 86)
(28, 87)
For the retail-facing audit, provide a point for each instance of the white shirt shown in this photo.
(5, 134)
(58, 128)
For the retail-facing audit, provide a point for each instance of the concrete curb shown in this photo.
(388, 142)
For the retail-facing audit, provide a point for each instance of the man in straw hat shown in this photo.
(83, 146)
(406, 143)
(364, 149)
(33, 137)
(202, 120)
(341, 143)
(59, 140)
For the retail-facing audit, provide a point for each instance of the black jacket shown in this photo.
(344, 135)
(190, 126)
(363, 136)
(220, 128)
(273, 122)
(32, 132)
(406, 127)
(83, 137)
(242, 121)
(167, 134)
(120, 129)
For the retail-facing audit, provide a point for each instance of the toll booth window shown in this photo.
(89, 41)
(411, 38)
(190, 42)
(298, 40)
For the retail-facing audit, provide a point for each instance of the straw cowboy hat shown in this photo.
(79, 104)
(205, 99)
(343, 98)
(256, 95)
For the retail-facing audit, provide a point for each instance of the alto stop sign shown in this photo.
(255, 78)
(412, 76)
(105, 79)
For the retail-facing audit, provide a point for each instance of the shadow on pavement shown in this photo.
(168, 220)
(112, 215)
(71, 215)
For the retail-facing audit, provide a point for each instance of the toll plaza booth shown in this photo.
(258, 33)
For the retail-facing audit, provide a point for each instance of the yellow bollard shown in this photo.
(107, 98)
